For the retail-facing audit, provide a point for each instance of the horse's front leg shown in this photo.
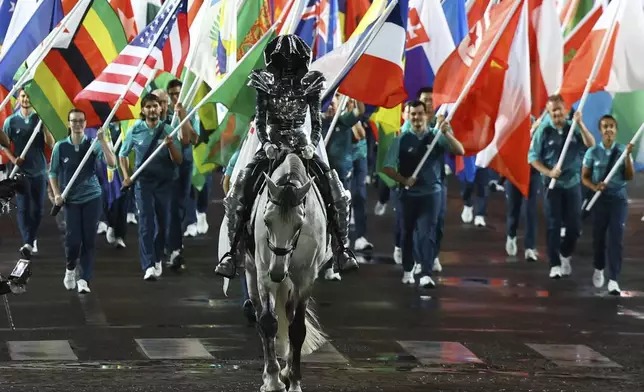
(267, 328)
(296, 335)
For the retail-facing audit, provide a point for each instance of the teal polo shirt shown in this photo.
(405, 154)
(65, 159)
(138, 139)
(19, 129)
(546, 146)
(596, 159)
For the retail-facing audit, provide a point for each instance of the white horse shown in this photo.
(291, 244)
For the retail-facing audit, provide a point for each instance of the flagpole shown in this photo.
(468, 86)
(615, 167)
(336, 117)
(51, 40)
(593, 74)
(364, 45)
(67, 189)
(23, 154)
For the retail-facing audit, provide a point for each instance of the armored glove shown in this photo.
(270, 150)
(308, 151)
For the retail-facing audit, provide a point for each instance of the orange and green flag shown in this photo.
(87, 47)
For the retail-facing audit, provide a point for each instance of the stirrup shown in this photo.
(344, 260)
(226, 266)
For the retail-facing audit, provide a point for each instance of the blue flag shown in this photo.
(6, 12)
(48, 14)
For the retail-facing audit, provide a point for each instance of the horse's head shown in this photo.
(284, 217)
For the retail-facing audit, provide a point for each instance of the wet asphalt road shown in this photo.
(494, 323)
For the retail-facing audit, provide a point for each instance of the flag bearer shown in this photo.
(17, 129)
(183, 183)
(153, 190)
(564, 201)
(514, 201)
(420, 204)
(611, 209)
(83, 205)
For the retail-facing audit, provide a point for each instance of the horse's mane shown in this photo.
(290, 175)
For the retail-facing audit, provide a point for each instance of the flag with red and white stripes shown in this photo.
(169, 40)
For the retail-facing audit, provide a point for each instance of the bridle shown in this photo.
(278, 251)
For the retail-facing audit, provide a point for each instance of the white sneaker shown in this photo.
(202, 223)
(531, 255)
(332, 276)
(367, 180)
(131, 218)
(408, 278)
(566, 268)
(150, 274)
(83, 288)
(426, 282)
(109, 236)
(437, 267)
(555, 272)
(562, 232)
(467, 214)
(102, 228)
(191, 230)
(398, 255)
(158, 269)
(613, 288)
(479, 221)
(417, 269)
(70, 279)
(448, 170)
(642, 218)
(380, 209)
(120, 244)
(35, 247)
(511, 246)
(26, 250)
(598, 278)
(362, 244)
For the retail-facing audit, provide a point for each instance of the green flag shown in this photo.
(627, 110)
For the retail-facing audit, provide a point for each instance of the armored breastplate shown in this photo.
(287, 108)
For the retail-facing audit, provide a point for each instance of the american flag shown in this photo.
(168, 54)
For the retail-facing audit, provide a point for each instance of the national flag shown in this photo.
(473, 120)
(125, 12)
(167, 35)
(429, 43)
(627, 110)
(382, 61)
(277, 8)
(318, 26)
(350, 14)
(546, 53)
(6, 12)
(576, 37)
(620, 69)
(239, 98)
(48, 14)
(193, 9)
(476, 11)
(574, 13)
(507, 152)
(97, 38)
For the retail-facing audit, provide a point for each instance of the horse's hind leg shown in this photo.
(296, 335)
(267, 328)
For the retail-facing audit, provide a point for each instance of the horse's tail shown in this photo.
(315, 338)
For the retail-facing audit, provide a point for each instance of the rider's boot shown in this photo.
(235, 206)
(345, 260)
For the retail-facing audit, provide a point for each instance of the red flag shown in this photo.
(474, 119)
(507, 152)
(576, 38)
(476, 12)
(124, 10)
(356, 9)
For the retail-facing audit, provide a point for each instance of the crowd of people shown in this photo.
(167, 208)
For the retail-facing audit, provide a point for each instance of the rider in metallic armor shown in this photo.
(284, 91)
